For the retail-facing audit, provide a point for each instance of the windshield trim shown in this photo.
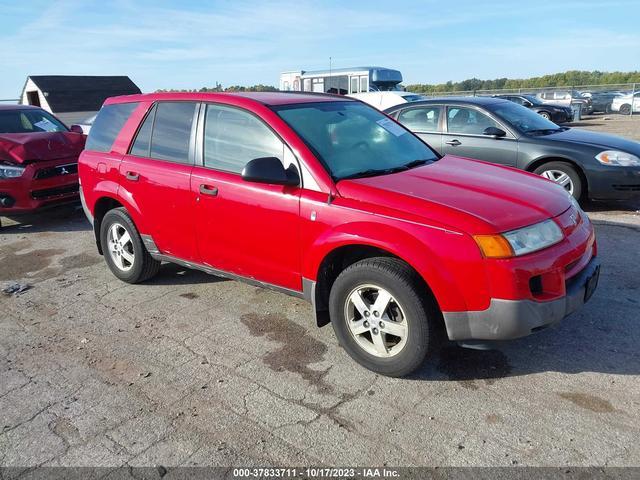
(316, 154)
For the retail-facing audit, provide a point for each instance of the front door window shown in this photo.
(468, 121)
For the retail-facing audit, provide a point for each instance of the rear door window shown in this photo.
(423, 119)
(107, 126)
(172, 126)
(142, 144)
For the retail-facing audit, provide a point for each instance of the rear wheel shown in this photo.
(124, 252)
(563, 174)
(383, 316)
(625, 109)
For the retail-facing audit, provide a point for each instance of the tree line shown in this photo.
(564, 79)
(220, 88)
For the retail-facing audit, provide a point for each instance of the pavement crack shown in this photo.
(30, 419)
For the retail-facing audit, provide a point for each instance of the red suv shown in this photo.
(327, 199)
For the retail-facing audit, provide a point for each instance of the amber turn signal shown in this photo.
(494, 246)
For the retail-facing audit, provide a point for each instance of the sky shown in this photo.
(192, 44)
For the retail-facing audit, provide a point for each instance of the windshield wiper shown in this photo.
(371, 172)
(416, 163)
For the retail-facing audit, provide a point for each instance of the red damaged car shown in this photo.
(326, 198)
(38, 160)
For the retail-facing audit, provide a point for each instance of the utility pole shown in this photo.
(330, 77)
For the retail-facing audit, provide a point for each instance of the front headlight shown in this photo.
(10, 171)
(616, 158)
(533, 238)
(521, 241)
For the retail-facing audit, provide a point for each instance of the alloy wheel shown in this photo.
(560, 178)
(120, 247)
(376, 320)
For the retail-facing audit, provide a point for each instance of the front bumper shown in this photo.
(509, 319)
(42, 185)
(613, 183)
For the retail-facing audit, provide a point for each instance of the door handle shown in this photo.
(208, 190)
(133, 176)
(454, 143)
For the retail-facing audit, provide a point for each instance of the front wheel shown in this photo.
(124, 252)
(563, 174)
(383, 315)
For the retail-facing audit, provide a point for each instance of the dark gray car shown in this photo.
(588, 164)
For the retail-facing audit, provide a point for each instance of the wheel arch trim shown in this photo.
(539, 161)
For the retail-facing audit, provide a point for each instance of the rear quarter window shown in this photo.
(107, 126)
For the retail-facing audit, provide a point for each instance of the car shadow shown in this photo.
(172, 274)
(66, 218)
(612, 207)
(601, 337)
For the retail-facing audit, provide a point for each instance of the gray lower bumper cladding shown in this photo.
(509, 319)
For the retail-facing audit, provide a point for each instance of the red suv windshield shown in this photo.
(353, 139)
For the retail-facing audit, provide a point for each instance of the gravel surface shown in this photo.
(621, 125)
(190, 369)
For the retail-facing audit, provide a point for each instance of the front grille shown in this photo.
(54, 192)
(50, 172)
(627, 188)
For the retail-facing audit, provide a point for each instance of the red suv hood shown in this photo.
(40, 146)
(500, 197)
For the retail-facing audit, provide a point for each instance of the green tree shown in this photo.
(564, 79)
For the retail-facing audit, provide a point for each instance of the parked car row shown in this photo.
(567, 98)
(599, 101)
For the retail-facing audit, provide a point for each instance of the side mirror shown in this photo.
(270, 170)
(494, 132)
(76, 129)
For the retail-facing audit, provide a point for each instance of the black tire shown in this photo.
(625, 109)
(421, 313)
(567, 168)
(544, 114)
(143, 266)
